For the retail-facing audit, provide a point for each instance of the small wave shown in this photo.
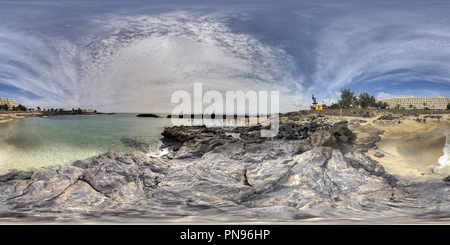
(444, 160)
(154, 150)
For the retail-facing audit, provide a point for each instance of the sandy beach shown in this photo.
(411, 149)
(8, 117)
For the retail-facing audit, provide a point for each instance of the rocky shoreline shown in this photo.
(307, 168)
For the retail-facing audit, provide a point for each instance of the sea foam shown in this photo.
(155, 150)
(444, 160)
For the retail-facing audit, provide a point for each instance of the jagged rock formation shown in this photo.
(303, 164)
(109, 175)
(365, 137)
(207, 165)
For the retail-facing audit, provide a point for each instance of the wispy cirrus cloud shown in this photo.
(388, 45)
(137, 62)
(383, 95)
(134, 57)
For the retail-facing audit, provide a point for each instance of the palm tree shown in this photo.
(20, 107)
(410, 106)
(356, 103)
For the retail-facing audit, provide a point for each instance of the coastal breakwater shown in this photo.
(308, 170)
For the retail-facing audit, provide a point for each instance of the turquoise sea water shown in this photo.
(34, 143)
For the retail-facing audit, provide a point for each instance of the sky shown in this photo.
(132, 56)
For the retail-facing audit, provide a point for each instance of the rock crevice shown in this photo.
(303, 164)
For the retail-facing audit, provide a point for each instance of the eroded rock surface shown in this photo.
(305, 163)
(323, 174)
(109, 175)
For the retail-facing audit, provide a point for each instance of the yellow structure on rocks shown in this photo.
(9, 102)
(438, 103)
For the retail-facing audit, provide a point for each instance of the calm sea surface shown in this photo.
(34, 143)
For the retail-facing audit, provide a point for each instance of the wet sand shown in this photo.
(412, 159)
(412, 149)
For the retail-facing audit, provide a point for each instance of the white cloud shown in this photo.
(334, 97)
(139, 61)
(383, 46)
(383, 95)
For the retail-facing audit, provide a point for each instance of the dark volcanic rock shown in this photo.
(16, 175)
(388, 120)
(379, 154)
(366, 138)
(148, 115)
(305, 164)
(324, 138)
(332, 135)
(81, 164)
(388, 117)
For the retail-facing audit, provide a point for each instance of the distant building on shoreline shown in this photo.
(88, 110)
(9, 102)
(438, 103)
(67, 109)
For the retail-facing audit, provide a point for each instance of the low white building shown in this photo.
(87, 110)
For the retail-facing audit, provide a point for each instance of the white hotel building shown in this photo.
(438, 103)
(9, 102)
